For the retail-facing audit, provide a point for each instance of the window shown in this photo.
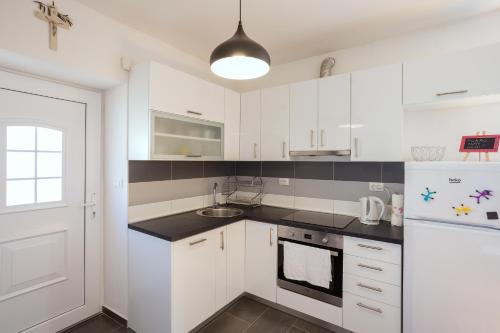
(34, 165)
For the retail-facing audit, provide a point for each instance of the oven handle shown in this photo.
(332, 253)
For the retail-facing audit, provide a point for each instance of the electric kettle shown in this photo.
(372, 210)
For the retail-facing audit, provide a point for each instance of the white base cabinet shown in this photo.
(261, 259)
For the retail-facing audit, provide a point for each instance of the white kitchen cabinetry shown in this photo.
(232, 126)
(155, 87)
(304, 115)
(261, 259)
(320, 114)
(250, 126)
(221, 266)
(376, 114)
(371, 286)
(235, 249)
(453, 77)
(334, 112)
(275, 119)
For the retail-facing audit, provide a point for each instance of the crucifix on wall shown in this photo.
(50, 14)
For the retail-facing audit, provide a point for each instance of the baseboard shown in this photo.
(114, 315)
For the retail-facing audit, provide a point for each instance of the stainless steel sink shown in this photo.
(219, 212)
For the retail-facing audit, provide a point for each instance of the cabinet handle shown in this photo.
(270, 236)
(255, 150)
(283, 147)
(378, 248)
(312, 138)
(194, 112)
(322, 139)
(222, 240)
(197, 242)
(356, 140)
(370, 267)
(361, 285)
(193, 155)
(378, 310)
(452, 93)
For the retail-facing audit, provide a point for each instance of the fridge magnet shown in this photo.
(482, 194)
(462, 210)
(429, 195)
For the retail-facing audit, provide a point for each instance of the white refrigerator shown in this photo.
(452, 248)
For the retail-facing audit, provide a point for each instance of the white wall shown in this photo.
(116, 200)
(89, 53)
(462, 35)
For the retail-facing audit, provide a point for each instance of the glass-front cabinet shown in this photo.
(179, 137)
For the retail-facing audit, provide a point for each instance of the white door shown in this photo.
(42, 222)
(261, 260)
(250, 126)
(377, 114)
(232, 126)
(304, 115)
(334, 112)
(221, 254)
(275, 123)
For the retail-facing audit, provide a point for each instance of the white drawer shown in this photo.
(362, 315)
(372, 289)
(366, 248)
(373, 269)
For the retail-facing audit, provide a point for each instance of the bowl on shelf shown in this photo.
(428, 153)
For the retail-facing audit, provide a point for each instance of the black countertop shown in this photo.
(179, 226)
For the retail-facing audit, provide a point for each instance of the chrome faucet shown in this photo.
(214, 200)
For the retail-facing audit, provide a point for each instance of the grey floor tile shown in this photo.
(123, 330)
(98, 324)
(225, 323)
(247, 309)
(272, 321)
(294, 329)
(309, 327)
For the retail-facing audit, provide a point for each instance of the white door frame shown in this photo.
(93, 226)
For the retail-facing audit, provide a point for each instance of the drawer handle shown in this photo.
(378, 248)
(452, 93)
(222, 240)
(194, 112)
(370, 267)
(361, 285)
(193, 155)
(371, 308)
(197, 242)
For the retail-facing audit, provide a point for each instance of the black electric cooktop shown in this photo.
(324, 219)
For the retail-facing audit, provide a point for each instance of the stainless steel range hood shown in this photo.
(343, 152)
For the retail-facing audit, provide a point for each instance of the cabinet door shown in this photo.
(207, 100)
(250, 126)
(377, 114)
(334, 112)
(275, 123)
(454, 76)
(221, 252)
(232, 126)
(261, 260)
(193, 285)
(235, 245)
(304, 115)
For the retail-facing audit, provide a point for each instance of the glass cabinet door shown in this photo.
(175, 137)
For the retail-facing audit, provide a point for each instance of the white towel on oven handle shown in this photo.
(307, 263)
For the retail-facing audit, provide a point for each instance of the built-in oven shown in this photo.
(330, 242)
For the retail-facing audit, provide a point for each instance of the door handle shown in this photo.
(222, 240)
(255, 150)
(270, 236)
(361, 285)
(370, 267)
(452, 93)
(194, 112)
(356, 141)
(322, 139)
(197, 242)
(283, 147)
(312, 138)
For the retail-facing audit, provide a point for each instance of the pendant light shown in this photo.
(240, 57)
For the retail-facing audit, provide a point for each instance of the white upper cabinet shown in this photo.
(232, 126)
(334, 112)
(176, 92)
(250, 126)
(304, 115)
(376, 114)
(275, 123)
(452, 77)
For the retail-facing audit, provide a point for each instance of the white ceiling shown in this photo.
(289, 29)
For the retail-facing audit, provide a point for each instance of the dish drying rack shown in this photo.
(255, 186)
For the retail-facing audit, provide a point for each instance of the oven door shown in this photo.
(332, 295)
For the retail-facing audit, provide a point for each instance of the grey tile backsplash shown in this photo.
(154, 181)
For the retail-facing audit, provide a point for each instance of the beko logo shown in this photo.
(454, 180)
